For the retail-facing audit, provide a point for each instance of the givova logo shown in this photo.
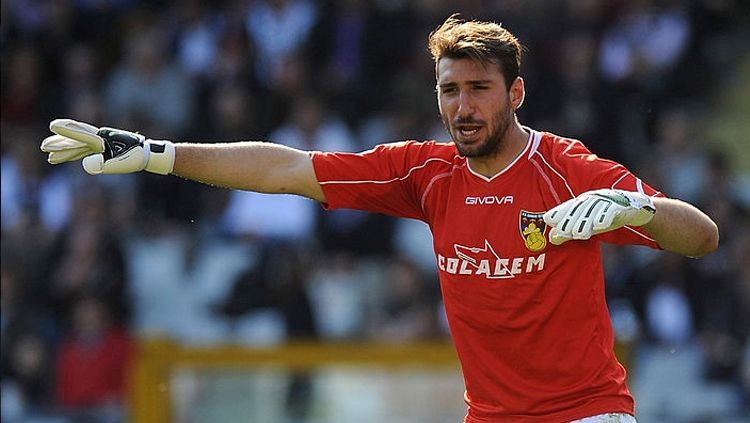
(484, 261)
(488, 200)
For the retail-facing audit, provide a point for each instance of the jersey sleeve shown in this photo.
(585, 171)
(384, 180)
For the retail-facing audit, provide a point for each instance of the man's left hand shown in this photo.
(598, 211)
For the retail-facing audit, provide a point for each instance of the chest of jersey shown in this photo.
(498, 271)
(491, 229)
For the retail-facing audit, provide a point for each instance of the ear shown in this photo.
(517, 93)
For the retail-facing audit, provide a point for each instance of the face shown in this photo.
(476, 107)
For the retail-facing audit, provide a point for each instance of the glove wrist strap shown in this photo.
(159, 156)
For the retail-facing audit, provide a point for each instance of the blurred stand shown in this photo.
(662, 87)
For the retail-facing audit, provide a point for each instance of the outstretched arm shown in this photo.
(681, 228)
(252, 166)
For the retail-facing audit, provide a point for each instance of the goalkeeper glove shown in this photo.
(598, 211)
(106, 150)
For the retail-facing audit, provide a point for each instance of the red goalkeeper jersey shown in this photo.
(528, 319)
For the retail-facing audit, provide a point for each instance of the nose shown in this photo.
(465, 104)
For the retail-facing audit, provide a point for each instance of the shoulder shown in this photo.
(566, 163)
(569, 162)
(566, 155)
(423, 148)
(555, 147)
(416, 153)
(389, 161)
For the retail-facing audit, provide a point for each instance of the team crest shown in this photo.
(533, 230)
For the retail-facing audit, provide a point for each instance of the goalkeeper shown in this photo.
(517, 216)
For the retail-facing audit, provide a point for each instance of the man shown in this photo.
(516, 215)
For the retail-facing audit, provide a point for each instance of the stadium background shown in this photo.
(223, 306)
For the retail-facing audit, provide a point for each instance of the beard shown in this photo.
(495, 141)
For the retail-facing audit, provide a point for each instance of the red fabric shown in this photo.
(92, 375)
(529, 321)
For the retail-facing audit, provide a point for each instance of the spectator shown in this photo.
(645, 44)
(409, 311)
(87, 259)
(25, 373)
(30, 375)
(146, 89)
(198, 38)
(92, 364)
(338, 292)
(21, 97)
(278, 29)
(684, 167)
(668, 312)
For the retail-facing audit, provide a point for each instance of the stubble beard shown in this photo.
(495, 141)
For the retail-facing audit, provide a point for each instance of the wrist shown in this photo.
(159, 156)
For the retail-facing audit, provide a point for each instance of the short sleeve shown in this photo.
(386, 179)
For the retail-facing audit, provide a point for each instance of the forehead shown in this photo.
(451, 70)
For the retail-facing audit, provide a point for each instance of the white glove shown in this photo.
(598, 211)
(106, 150)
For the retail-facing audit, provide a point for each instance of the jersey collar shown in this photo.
(531, 145)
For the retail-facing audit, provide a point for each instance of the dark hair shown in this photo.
(486, 42)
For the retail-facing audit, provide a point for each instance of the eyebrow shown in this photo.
(472, 82)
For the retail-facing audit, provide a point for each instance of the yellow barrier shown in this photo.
(157, 358)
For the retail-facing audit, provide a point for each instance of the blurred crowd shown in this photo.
(90, 265)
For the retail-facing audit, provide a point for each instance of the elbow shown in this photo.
(709, 242)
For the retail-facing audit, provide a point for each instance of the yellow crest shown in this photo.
(533, 230)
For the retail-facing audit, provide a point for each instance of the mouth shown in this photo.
(467, 132)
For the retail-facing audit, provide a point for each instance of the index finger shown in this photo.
(78, 131)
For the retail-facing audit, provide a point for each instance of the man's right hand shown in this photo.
(106, 150)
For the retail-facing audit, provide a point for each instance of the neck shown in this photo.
(513, 144)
